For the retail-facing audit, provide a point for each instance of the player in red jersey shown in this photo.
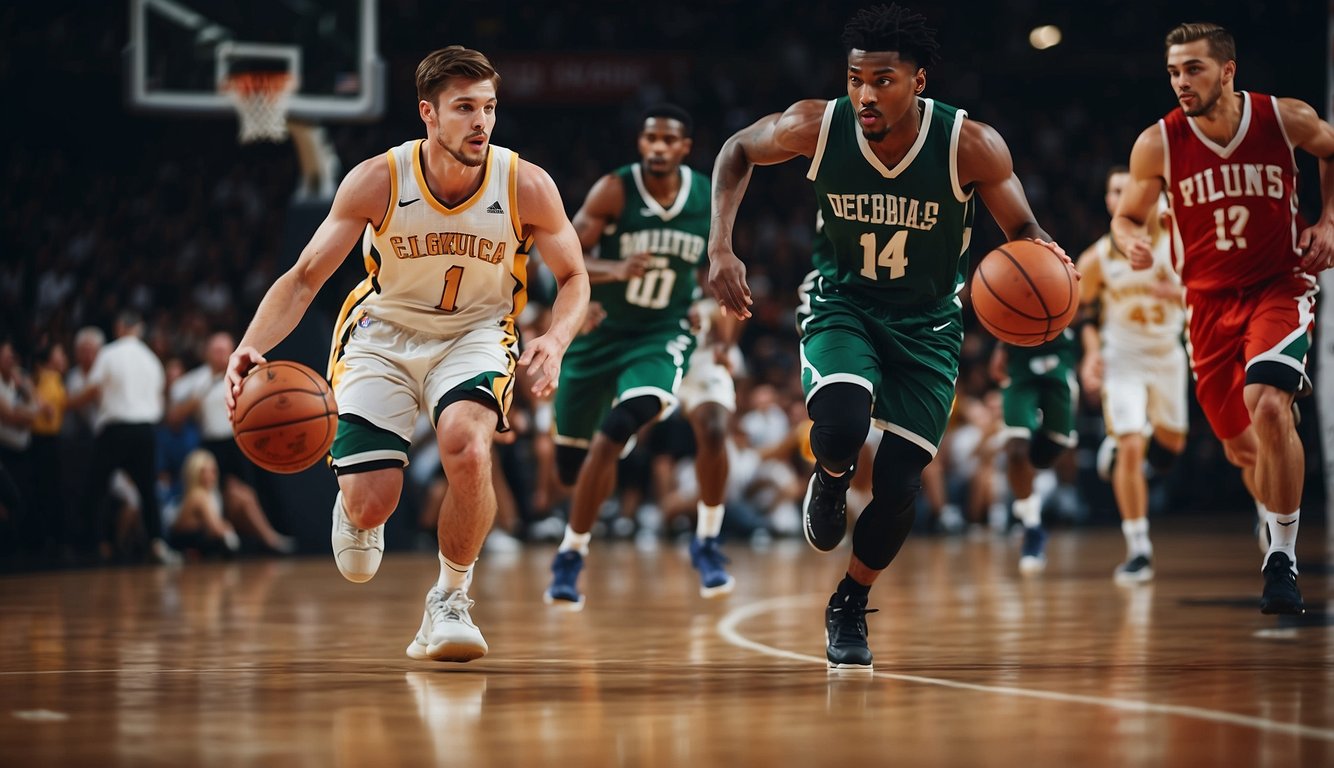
(1247, 261)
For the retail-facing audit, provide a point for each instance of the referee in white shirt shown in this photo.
(126, 382)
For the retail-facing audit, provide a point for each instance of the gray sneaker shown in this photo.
(447, 632)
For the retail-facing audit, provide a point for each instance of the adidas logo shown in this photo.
(495, 208)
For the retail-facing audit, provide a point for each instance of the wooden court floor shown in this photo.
(282, 663)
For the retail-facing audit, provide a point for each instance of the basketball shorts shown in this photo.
(605, 367)
(1139, 389)
(386, 375)
(906, 357)
(1257, 336)
(706, 381)
(1040, 397)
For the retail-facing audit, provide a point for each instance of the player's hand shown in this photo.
(727, 281)
(1059, 251)
(634, 265)
(241, 361)
(542, 359)
(1317, 246)
(593, 317)
(1140, 253)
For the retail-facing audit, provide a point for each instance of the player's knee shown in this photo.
(841, 416)
(897, 473)
(367, 507)
(569, 459)
(1017, 450)
(710, 423)
(464, 458)
(628, 417)
(1272, 410)
(896, 480)
(1044, 451)
(1161, 457)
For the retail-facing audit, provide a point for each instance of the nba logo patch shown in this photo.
(365, 321)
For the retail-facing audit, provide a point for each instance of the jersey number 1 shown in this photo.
(449, 299)
(893, 255)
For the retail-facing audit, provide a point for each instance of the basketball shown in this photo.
(1024, 294)
(285, 416)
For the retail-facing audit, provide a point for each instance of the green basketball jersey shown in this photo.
(897, 235)
(1061, 352)
(676, 237)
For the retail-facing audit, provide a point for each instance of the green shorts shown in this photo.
(906, 357)
(1041, 395)
(602, 368)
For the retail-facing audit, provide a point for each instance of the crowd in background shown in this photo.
(108, 215)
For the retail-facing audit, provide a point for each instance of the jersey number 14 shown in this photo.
(893, 255)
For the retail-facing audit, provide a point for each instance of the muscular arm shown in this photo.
(603, 206)
(1306, 130)
(985, 162)
(362, 199)
(1130, 225)
(770, 140)
(543, 216)
(1090, 290)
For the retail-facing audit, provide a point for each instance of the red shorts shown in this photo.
(1262, 332)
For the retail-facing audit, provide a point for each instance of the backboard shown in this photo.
(181, 50)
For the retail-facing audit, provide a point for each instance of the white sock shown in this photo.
(1283, 535)
(1137, 537)
(575, 541)
(709, 522)
(1029, 511)
(454, 576)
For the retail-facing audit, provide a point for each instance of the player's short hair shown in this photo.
(671, 112)
(435, 72)
(892, 28)
(1222, 48)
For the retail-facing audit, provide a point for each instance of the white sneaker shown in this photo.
(357, 551)
(447, 632)
(160, 553)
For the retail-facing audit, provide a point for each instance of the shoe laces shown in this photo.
(708, 552)
(365, 537)
(567, 563)
(850, 617)
(452, 606)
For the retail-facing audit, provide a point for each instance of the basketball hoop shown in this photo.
(261, 101)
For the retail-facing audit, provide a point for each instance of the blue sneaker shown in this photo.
(1033, 558)
(708, 559)
(563, 592)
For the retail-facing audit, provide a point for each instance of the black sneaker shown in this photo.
(845, 632)
(1281, 594)
(824, 513)
(1136, 570)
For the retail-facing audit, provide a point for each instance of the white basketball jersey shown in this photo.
(1134, 317)
(443, 270)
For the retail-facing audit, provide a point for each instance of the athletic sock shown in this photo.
(1137, 537)
(709, 522)
(850, 587)
(1029, 511)
(454, 576)
(1283, 534)
(575, 541)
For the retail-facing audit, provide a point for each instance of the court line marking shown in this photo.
(727, 628)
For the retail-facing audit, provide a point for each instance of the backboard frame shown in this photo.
(367, 104)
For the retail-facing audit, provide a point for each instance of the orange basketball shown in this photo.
(285, 416)
(1024, 294)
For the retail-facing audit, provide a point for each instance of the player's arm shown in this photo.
(362, 198)
(543, 217)
(1139, 199)
(770, 140)
(603, 206)
(1305, 129)
(1090, 291)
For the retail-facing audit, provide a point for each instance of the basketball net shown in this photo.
(261, 101)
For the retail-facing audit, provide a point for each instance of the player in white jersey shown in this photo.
(1133, 354)
(447, 224)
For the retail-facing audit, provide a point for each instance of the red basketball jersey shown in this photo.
(1234, 208)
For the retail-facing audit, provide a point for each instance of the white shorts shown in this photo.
(1139, 390)
(706, 382)
(388, 375)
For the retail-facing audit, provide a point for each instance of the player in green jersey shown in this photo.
(895, 176)
(650, 223)
(1039, 392)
